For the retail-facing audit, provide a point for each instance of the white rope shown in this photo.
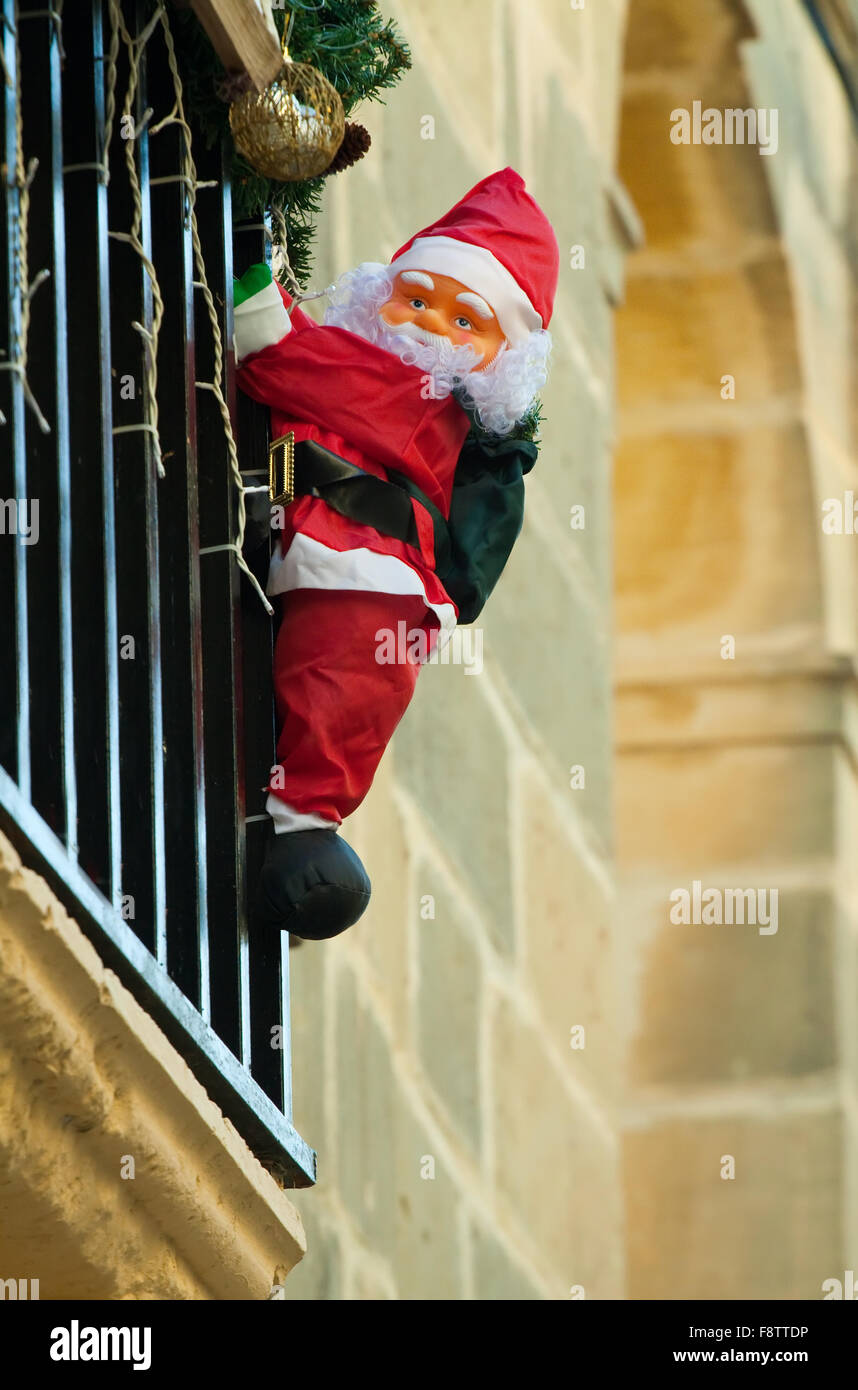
(22, 288)
(134, 49)
(132, 429)
(187, 176)
(234, 547)
(177, 117)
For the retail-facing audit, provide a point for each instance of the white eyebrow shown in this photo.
(417, 277)
(474, 301)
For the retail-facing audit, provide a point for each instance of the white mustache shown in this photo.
(420, 335)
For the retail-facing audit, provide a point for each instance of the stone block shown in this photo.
(569, 945)
(772, 1232)
(790, 69)
(714, 536)
(555, 660)
(709, 197)
(496, 1276)
(546, 1141)
(365, 1108)
(573, 467)
(757, 806)
(680, 333)
(318, 1278)
(668, 34)
(428, 1256)
(310, 1060)
(368, 1286)
(377, 832)
(569, 189)
(382, 1151)
(723, 1003)
(450, 987)
(451, 755)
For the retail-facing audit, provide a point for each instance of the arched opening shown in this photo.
(733, 769)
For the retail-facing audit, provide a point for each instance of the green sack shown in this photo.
(486, 516)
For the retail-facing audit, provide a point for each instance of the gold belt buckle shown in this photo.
(281, 469)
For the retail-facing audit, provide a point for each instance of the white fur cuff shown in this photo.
(260, 321)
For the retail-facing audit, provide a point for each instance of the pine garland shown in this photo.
(527, 428)
(350, 44)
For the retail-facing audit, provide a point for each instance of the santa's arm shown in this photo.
(262, 329)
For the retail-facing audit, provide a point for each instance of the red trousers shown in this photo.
(337, 704)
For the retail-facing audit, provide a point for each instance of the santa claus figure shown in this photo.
(406, 407)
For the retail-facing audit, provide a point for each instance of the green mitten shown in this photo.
(251, 282)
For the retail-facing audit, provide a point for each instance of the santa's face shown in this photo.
(432, 307)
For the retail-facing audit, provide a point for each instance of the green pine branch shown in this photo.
(350, 44)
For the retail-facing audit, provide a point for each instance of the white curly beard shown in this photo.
(501, 394)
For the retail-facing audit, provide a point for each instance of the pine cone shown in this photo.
(355, 143)
(232, 86)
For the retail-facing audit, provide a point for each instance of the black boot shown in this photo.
(312, 885)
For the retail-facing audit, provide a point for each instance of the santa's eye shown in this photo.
(462, 322)
(417, 303)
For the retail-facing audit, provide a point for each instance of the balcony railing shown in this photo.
(136, 713)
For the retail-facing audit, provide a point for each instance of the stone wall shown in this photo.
(522, 1081)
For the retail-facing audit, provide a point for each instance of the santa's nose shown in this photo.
(431, 320)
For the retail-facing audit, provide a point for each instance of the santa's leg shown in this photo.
(345, 667)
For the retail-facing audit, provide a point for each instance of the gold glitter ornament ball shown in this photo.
(293, 128)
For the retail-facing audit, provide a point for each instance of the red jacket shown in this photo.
(365, 404)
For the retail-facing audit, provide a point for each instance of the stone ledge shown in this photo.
(86, 1078)
(708, 709)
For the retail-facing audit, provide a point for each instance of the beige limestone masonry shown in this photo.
(469, 1145)
(737, 768)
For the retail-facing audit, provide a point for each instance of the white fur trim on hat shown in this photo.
(482, 272)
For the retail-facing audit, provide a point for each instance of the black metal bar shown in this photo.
(17, 498)
(268, 1132)
(272, 1066)
(44, 370)
(54, 790)
(286, 1015)
(8, 684)
(93, 557)
(63, 447)
(111, 624)
(221, 634)
(178, 523)
(141, 733)
(153, 566)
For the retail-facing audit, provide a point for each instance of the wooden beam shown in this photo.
(243, 36)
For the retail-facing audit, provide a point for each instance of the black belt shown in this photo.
(352, 492)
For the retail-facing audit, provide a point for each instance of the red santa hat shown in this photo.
(498, 242)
